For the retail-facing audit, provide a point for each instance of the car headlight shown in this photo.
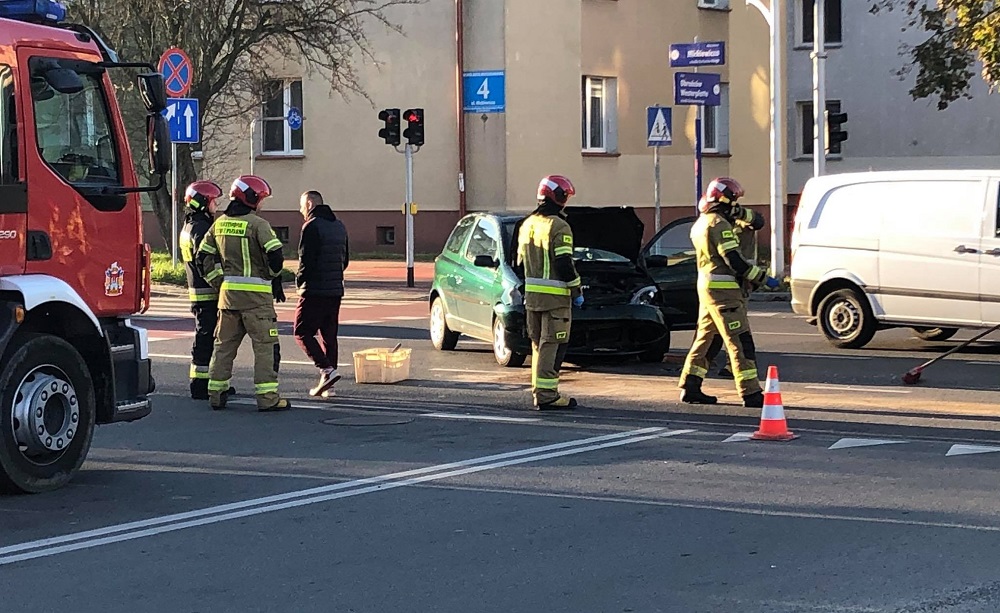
(512, 296)
(646, 295)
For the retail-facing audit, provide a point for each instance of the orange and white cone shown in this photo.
(773, 426)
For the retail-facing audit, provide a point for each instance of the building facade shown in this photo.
(578, 76)
(887, 129)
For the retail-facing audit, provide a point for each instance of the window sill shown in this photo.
(600, 154)
(809, 46)
(808, 158)
(716, 10)
(716, 154)
(280, 156)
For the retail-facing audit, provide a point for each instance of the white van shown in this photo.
(878, 250)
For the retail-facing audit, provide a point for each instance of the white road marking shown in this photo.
(970, 449)
(463, 370)
(824, 357)
(257, 506)
(406, 317)
(847, 443)
(173, 356)
(852, 388)
(984, 363)
(513, 420)
(739, 437)
(814, 334)
(360, 322)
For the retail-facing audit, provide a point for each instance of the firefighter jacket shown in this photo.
(239, 256)
(545, 250)
(196, 225)
(721, 267)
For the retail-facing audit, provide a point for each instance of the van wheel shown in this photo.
(504, 355)
(936, 334)
(442, 337)
(846, 319)
(47, 414)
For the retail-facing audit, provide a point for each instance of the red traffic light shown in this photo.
(412, 117)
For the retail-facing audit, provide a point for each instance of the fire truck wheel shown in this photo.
(47, 414)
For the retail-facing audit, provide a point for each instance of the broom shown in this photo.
(913, 375)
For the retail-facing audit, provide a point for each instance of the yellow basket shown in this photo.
(381, 365)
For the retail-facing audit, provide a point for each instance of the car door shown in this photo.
(448, 275)
(929, 248)
(481, 287)
(670, 261)
(989, 258)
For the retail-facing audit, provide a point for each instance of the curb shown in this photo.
(771, 297)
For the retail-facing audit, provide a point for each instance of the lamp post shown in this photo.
(773, 17)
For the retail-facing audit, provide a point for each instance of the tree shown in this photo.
(230, 42)
(959, 33)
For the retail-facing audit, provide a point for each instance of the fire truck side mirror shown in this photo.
(158, 142)
(152, 91)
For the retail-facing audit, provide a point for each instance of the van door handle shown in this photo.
(992, 252)
(964, 249)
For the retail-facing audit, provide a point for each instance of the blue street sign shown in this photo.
(175, 66)
(659, 126)
(697, 54)
(484, 92)
(182, 117)
(697, 88)
(294, 118)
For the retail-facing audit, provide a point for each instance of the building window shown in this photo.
(832, 26)
(282, 233)
(600, 115)
(385, 235)
(808, 124)
(715, 125)
(279, 96)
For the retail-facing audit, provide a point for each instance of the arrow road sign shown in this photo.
(697, 88)
(294, 118)
(182, 118)
(697, 54)
(659, 127)
(175, 66)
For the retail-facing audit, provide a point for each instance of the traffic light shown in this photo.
(414, 132)
(390, 133)
(836, 133)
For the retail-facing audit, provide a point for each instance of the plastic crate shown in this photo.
(381, 365)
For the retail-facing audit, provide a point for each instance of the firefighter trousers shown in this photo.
(206, 318)
(260, 324)
(549, 334)
(730, 322)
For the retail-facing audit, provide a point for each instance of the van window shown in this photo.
(845, 210)
(934, 208)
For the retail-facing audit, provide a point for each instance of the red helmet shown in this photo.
(200, 194)
(556, 188)
(723, 190)
(250, 190)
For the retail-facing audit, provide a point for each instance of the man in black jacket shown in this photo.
(323, 257)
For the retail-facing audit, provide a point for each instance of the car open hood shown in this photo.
(615, 229)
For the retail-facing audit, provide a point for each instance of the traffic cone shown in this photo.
(773, 426)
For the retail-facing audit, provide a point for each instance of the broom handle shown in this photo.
(962, 345)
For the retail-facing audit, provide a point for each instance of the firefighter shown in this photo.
(199, 197)
(241, 257)
(722, 270)
(746, 224)
(552, 287)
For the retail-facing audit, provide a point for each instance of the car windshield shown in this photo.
(586, 254)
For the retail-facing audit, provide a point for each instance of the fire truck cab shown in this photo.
(73, 264)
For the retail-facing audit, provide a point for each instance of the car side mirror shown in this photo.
(486, 261)
(152, 92)
(158, 144)
(657, 261)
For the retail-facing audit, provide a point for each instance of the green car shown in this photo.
(634, 296)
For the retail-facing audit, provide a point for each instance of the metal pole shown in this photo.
(253, 128)
(819, 88)
(409, 215)
(656, 185)
(173, 204)
(697, 156)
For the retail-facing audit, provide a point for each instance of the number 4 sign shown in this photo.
(484, 92)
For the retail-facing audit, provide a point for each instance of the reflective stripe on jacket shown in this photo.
(236, 260)
(713, 238)
(195, 227)
(541, 239)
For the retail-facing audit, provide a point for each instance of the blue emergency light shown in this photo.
(35, 11)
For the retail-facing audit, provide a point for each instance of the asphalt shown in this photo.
(444, 493)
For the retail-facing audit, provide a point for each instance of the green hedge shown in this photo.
(163, 272)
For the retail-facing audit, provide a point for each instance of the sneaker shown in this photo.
(327, 379)
(563, 402)
(282, 405)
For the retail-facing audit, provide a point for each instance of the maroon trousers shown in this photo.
(318, 315)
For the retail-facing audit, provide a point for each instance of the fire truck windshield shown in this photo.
(72, 121)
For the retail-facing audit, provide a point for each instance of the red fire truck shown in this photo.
(73, 264)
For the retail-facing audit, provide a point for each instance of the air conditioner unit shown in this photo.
(713, 4)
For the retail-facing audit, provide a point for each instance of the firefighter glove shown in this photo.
(772, 283)
(277, 290)
(578, 301)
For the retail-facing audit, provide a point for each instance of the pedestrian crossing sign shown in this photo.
(658, 126)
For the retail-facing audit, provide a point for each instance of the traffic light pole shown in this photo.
(409, 215)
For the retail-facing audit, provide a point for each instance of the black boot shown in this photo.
(199, 389)
(691, 392)
(754, 400)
